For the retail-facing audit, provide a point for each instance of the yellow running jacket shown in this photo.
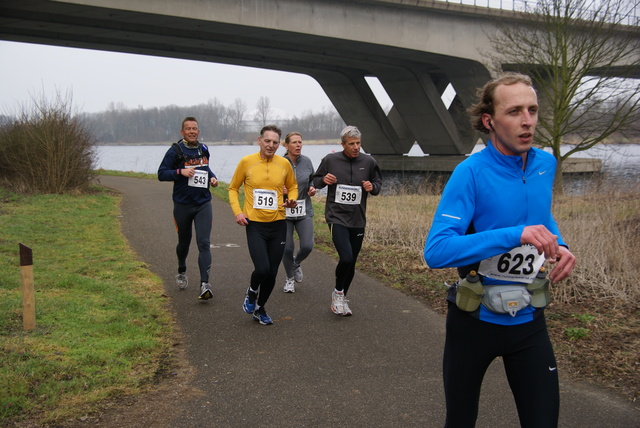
(263, 180)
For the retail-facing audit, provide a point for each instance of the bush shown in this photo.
(46, 150)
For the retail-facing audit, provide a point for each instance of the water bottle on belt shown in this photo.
(469, 292)
(539, 289)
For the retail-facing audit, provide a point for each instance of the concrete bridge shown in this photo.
(416, 49)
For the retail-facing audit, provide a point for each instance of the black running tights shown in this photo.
(348, 242)
(266, 245)
(186, 216)
(471, 345)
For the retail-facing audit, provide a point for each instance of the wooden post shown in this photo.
(27, 288)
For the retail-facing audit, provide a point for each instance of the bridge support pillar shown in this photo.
(418, 113)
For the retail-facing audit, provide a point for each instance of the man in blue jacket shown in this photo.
(494, 218)
(186, 163)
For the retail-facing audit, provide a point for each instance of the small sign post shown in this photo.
(27, 288)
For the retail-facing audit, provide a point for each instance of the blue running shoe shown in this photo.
(261, 316)
(249, 305)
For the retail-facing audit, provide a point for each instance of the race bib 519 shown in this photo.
(265, 199)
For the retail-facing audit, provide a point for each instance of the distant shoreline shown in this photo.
(219, 143)
(306, 142)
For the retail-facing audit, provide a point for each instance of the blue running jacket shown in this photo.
(492, 192)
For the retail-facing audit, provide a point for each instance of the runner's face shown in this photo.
(268, 142)
(351, 147)
(190, 131)
(514, 120)
(295, 145)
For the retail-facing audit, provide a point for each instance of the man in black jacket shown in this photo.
(351, 177)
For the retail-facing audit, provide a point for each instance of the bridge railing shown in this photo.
(631, 18)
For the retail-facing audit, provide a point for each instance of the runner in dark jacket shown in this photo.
(186, 163)
(351, 177)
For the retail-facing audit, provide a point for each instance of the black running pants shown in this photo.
(348, 242)
(471, 345)
(266, 243)
(186, 217)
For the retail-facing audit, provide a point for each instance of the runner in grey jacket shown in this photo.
(350, 171)
(299, 218)
(351, 176)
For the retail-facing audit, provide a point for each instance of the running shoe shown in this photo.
(205, 291)
(346, 311)
(337, 302)
(261, 316)
(182, 281)
(249, 305)
(289, 286)
(297, 272)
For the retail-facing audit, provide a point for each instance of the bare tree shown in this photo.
(236, 114)
(264, 107)
(579, 54)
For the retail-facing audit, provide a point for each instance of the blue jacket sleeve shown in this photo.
(167, 169)
(448, 244)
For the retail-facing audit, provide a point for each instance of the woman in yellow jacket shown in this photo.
(264, 175)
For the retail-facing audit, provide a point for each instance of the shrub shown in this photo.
(46, 150)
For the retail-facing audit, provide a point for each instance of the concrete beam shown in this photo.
(358, 106)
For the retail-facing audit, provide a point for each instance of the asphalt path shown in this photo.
(380, 367)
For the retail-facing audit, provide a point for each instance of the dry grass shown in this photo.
(593, 320)
(604, 233)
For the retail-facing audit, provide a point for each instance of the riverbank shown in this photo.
(219, 143)
(595, 329)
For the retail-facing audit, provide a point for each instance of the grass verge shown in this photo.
(102, 328)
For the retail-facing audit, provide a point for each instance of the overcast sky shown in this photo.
(97, 78)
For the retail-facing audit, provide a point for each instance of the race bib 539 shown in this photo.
(349, 195)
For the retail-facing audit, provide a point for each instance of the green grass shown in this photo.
(102, 328)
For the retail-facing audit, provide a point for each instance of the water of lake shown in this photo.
(620, 161)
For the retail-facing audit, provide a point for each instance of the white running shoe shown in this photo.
(289, 286)
(297, 272)
(346, 311)
(337, 302)
(182, 281)
(205, 291)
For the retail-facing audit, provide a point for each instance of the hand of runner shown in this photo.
(564, 262)
(290, 203)
(541, 238)
(187, 172)
(329, 179)
(242, 219)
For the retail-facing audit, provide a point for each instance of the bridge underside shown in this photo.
(414, 80)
